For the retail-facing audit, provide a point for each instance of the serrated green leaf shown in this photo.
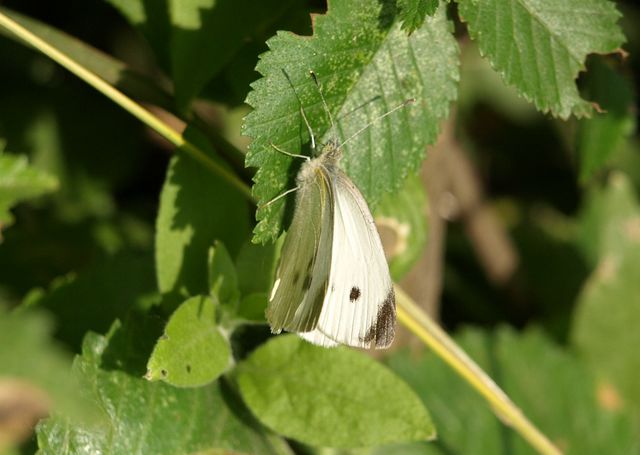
(366, 65)
(539, 46)
(602, 135)
(223, 279)
(553, 388)
(401, 221)
(329, 397)
(19, 182)
(191, 352)
(139, 416)
(196, 208)
(414, 12)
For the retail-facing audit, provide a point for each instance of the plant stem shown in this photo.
(126, 103)
(416, 320)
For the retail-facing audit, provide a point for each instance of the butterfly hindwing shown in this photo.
(359, 305)
(302, 277)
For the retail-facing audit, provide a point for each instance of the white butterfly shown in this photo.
(333, 284)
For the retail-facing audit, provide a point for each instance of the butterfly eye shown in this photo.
(354, 294)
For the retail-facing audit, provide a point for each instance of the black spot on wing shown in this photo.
(307, 283)
(383, 329)
(354, 294)
(296, 278)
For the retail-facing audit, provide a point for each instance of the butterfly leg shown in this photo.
(279, 197)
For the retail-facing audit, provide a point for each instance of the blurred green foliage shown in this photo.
(130, 256)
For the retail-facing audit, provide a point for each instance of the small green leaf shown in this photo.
(366, 66)
(414, 12)
(401, 221)
(223, 279)
(19, 182)
(539, 46)
(554, 389)
(601, 136)
(196, 208)
(192, 352)
(330, 397)
(145, 417)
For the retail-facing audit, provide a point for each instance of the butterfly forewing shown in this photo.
(359, 305)
(302, 277)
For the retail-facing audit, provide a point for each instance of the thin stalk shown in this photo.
(126, 103)
(416, 320)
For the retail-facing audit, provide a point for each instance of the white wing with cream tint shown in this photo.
(359, 304)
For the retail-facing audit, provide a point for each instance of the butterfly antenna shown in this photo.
(400, 106)
(324, 102)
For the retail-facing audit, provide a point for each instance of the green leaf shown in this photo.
(539, 46)
(366, 65)
(191, 352)
(401, 221)
(602, 135)
(553, 388)
(414, 12)
(196, 208)
(608, 218)
(223, 279)
(329, 397)
(139, 416)
(19, 182)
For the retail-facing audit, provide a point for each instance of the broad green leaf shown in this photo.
(253, 307)
(35, 373)
(553, 388)
(602, 135)
(19, 182)
(223, 279)
(540, 46)
(191, 352)
(107, 67)
(93, 298)
(414, 12)
(196, 208)
(366, 66)
(139, 416)
(608, 218)
(329, 397)
(401, 221)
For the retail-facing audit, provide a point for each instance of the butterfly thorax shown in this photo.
(329, 157)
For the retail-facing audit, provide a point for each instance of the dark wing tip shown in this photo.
(382, 332)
